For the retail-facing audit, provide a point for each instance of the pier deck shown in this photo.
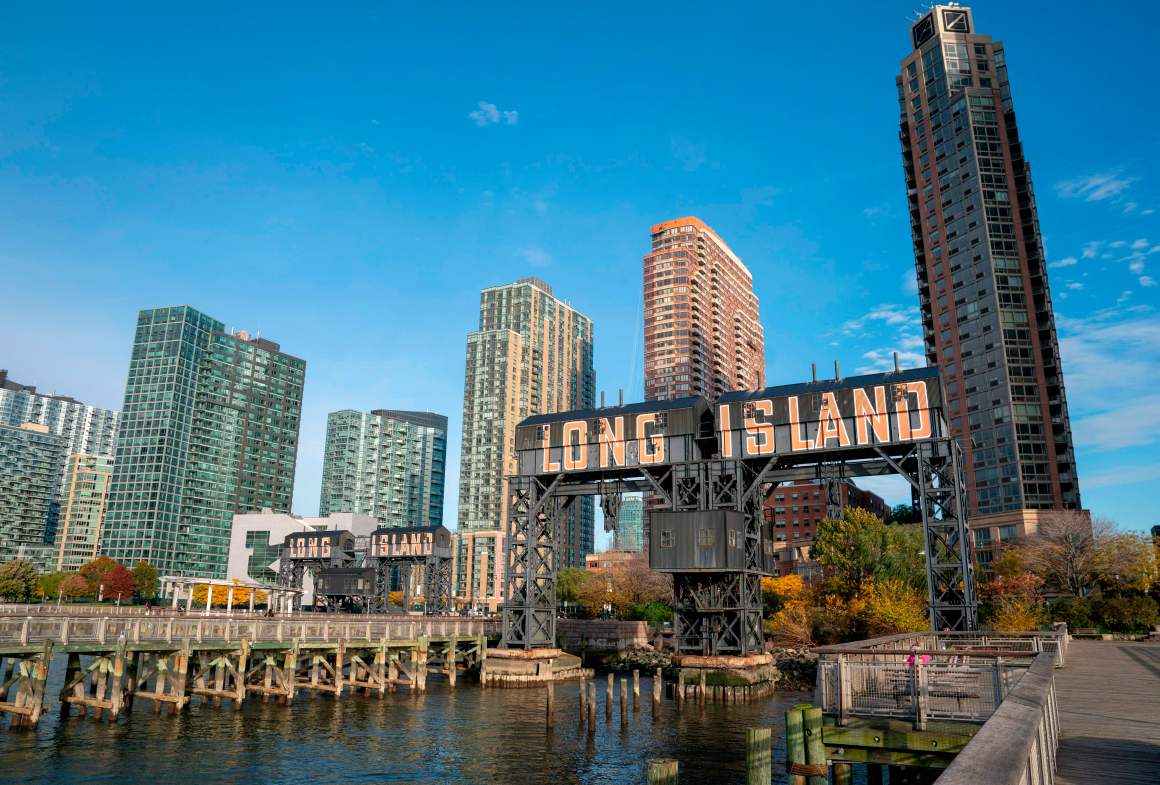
(1109, 714)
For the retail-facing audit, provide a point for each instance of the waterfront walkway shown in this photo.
(1109, 714)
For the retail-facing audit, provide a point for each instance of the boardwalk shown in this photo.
(1109, 714)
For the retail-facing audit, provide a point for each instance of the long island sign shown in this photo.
(815, 417)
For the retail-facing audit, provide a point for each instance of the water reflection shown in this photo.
(465, 735)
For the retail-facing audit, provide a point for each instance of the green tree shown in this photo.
(904, 513)
(50, 584)
(568, 584)
(145, 578)
(18, 580)
(859, 547)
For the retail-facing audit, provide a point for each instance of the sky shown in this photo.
(345, 179)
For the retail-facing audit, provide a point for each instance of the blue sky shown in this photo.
(346, 181)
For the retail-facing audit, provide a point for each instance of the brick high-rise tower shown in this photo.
(986, 306)
(702, 333)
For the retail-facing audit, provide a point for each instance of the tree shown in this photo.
(221, 595)
(890, 607)
(1126, 563)
(1017, 602)
(95, 571)
(76, 586)
(50, 584)
(904, 513)
(119, 584)
(18, 580)
(778, 592)
(1064, 551)
(568, 583)
(639, 585)
(859, 547)
(1127, 614)
(145, 578)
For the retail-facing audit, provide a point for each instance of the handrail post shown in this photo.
(24, 631)
(845, 690)
(998, 679)
(920, 694)
(101, 628)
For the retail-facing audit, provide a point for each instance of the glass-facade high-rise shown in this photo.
(84, 429)
(986, 306)
(82, 509)
(531, 355)
(630, 524)
(210, 428)
(31, 462)
(387, 463)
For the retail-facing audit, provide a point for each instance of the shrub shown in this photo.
(1076, 612)
(1127, 614)
(653, 613)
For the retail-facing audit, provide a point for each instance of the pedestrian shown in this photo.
(915, 657)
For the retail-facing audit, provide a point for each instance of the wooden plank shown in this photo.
(1108, 696)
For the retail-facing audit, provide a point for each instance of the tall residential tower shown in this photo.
(983, 289)
(209, 428)
(385, 463)
(702, 331)
(531, 355)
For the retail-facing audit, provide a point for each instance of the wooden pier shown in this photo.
(110, 662)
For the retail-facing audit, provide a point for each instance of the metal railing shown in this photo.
(928, 685)
(930, 676)
(1018, 743)
(32, 630)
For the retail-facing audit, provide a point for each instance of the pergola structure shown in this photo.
(281, 599)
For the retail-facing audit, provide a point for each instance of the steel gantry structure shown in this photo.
(710, 468)
(344, 567)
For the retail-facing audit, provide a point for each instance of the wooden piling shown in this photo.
(815, 746)
(635, 690)
(608, 699)
(550, 717)
(758, 756)
(702, 689)
(658, 685)
(623, 700)
(795, 742)
(591, 708)
(843, 774)
(662, 771)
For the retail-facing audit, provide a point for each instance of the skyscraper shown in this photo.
(702, 330)
(209, 428)
(630, 524)
(983, 290)
(31, 461)
(84, 428)
(385, 463)
(531, 355)
(82, 509)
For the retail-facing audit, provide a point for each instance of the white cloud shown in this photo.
(877, 211)
(909, 283)
(1090, 249)
(1147, 280)
(1140, 244)
(536, 256)
(1125, 475)
(1110, 368)
(1136, 266)
(1094, 187)
(1070, 261)
(490, 114)
(689, 153)
(1074, 285)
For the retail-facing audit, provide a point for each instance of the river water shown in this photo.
(461, 735)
